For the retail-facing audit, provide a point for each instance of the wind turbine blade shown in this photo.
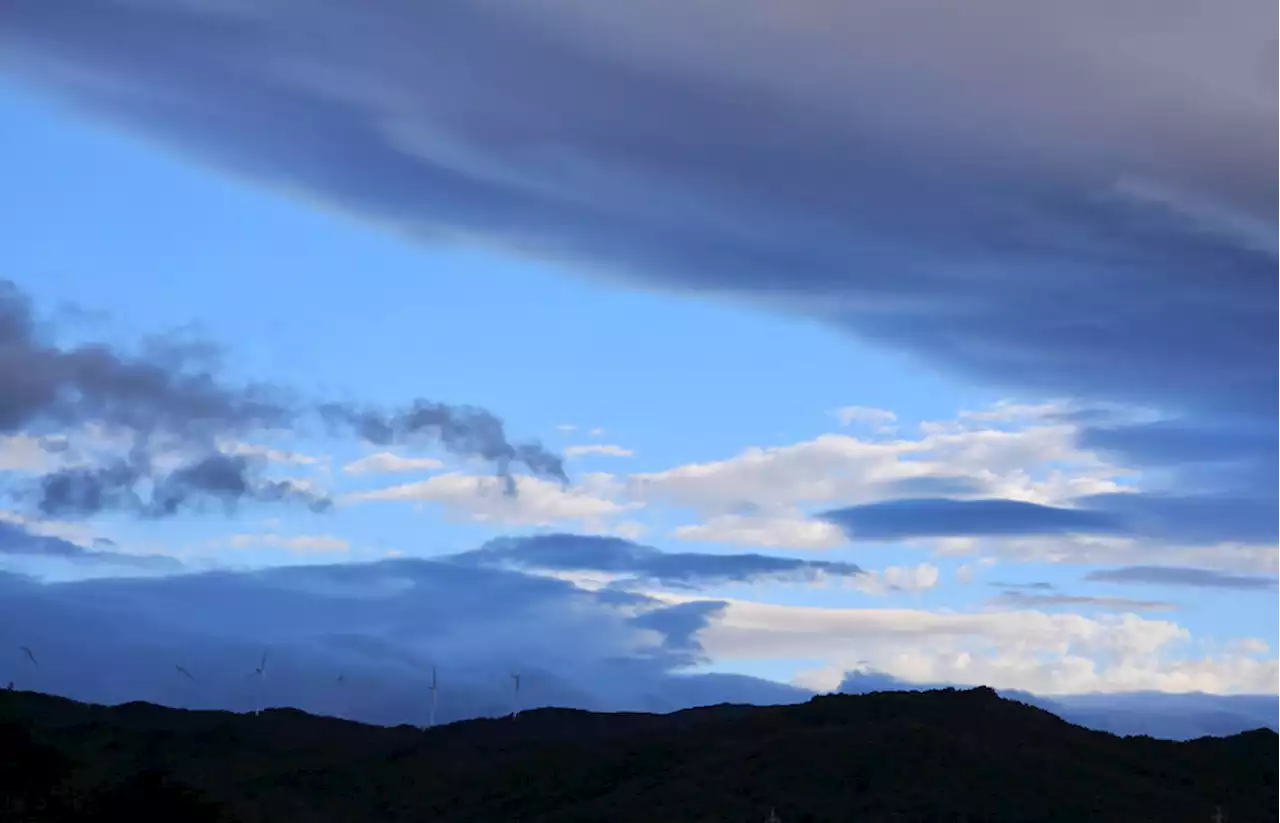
(30, 655)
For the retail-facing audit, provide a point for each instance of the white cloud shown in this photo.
(630, 530)
(388, 463)
(78, 533)
(1037, 463)
(596, 432)
(538, 502)
(567, 428)
(964, 574)
(883, 420)
(912, 579)
(274, 455)
(1024, 649)
(302, 545)
(23, 453)
(794, 532)
(598, 448)
(1104, 550)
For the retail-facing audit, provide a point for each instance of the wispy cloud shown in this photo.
(388, 463)
(603, 449)
(1181, 576)
(537, 502)
(638, 563)
(1032, 600)
(301, 544)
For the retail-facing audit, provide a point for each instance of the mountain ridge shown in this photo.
(934, 755)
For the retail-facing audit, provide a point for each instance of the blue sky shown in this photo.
(704, 403)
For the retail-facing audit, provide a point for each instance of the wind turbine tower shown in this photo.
(187, 677)
(431, 720)
(30, 656)
(515, 711)
(259, 676)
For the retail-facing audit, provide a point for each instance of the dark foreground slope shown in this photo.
(927, 756)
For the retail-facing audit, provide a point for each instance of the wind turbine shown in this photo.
(343, 709)
(30, 655)
(260, 673)
(184, 674)
(431, 721)
(515, 712)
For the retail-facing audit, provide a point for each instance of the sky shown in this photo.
(666, 355)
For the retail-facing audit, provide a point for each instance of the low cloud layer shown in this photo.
(637, 564)
(381, 626)
(17, 541)
(360, 641)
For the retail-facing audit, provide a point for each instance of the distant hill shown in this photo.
(942, 755)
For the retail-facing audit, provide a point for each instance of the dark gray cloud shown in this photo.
(1034, 600)
(382, 625)
(1182, 576)
(18, 541)
(943, 517)
(1039, 585)
(169, 393)
(168, 385)
(1078, 199)
(574, 552)
(227, 479)
(1181, 518)
(464, 430)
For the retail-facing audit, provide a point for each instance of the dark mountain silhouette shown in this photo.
(942, 755)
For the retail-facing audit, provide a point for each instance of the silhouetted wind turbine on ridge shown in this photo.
(260, 673)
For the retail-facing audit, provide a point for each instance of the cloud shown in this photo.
(155, 428)
(1022, 648)
(538, 502)
(900, 579)
(1075, 202)
(882, 419)
(1031, 600)
(82, 492)
(388, 463)
(638, 563)
(1037, 462)
(598, 448)
(382, 625)
(763, 532)
(462, 430)
(169, 385)
(21, 543)
(271, 455)
(23, 453)
(939, 517)
(301, 545)
(1181, 576)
